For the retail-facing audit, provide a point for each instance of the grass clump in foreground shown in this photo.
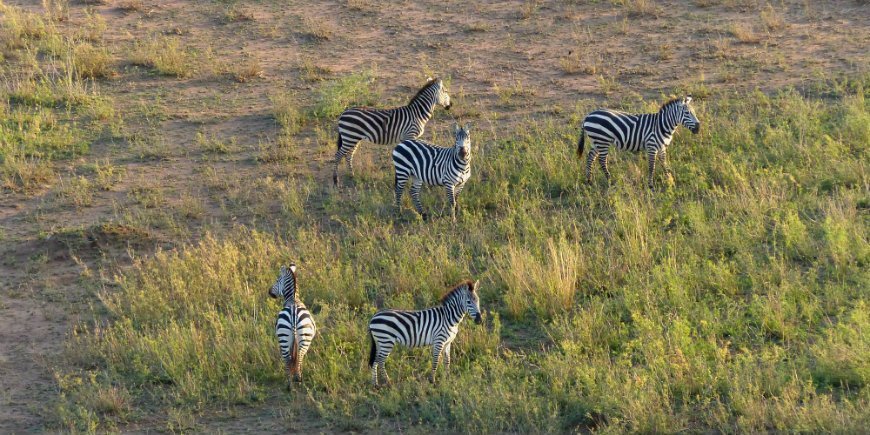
(734, 301)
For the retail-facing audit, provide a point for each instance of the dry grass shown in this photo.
(165, 55)
(247, 69)
(772, 19)
(56, 10)
(744, 33)
(576, 62)
(92, 62)
(638, 8)
(317, 29)
(236, 14)
(130, 6)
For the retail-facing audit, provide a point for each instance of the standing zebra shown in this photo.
(634, 132)
(387, 126)
(294, 327)
(436, 326)
(435, 166)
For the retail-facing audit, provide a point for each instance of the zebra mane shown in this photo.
(425, 88)
(458, 287)
(671, 102)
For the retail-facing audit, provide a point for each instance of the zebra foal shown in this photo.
(435, 166)
(294, 326)
(387, 126)
(436, 327)
(651, 132)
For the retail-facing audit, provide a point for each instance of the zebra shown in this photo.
(294, 327)
(436, 326)
(634, 132)
(387, 126)
(433, 165)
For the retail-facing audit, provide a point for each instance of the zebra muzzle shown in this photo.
(478, 319)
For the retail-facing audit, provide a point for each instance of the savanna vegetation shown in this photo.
(732, 298)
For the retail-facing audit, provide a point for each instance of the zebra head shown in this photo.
(472, 302)
(463, 141)
(441, 94)
(285, 286)
(688, 118)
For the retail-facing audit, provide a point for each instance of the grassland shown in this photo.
(733, 298)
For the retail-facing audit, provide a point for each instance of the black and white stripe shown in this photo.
(436, 327)
(294, 327)
(435, 166)
(635, 132)
(387, 126)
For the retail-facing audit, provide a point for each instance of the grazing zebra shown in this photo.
(435, 166)
(294, 327)
(635, 132)
(387, 126)
(435, 326)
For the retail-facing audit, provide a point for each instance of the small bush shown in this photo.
(92, 62)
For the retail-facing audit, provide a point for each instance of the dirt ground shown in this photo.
(506, 61)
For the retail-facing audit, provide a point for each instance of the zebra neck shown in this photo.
(290, 300)
(423, 106)
(453, 312)
(667, 123)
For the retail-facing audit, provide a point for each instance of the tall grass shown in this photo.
(734, 301)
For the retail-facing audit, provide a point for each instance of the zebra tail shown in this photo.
(580, 144)
(294, 350)
(372, 351)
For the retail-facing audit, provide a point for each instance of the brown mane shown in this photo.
(467, 282)
(425, 88)
(671, 101)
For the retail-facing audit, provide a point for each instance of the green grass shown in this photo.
(336, 95)
(735, 300)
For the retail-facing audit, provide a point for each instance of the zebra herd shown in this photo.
(419, 162)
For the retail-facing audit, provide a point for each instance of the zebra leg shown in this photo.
(401, 181)
(590, 157)
(451, 198)
(299, 358)
(447, 357)
(651, 158)
(415, 196)
(374, 371)
(339, 154)
(288, 368)
(380, 365)
(436, 358)
(602, 161)
(349, 158)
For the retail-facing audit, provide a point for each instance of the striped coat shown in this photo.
(425, 163)
(387, 126)
(294, 326)
(650, 132)
(436, 327)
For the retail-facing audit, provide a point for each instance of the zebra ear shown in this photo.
(467, 128)
(283, 270)
(293, 268)
(455, 128)
(688, 99)
(475, 286)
